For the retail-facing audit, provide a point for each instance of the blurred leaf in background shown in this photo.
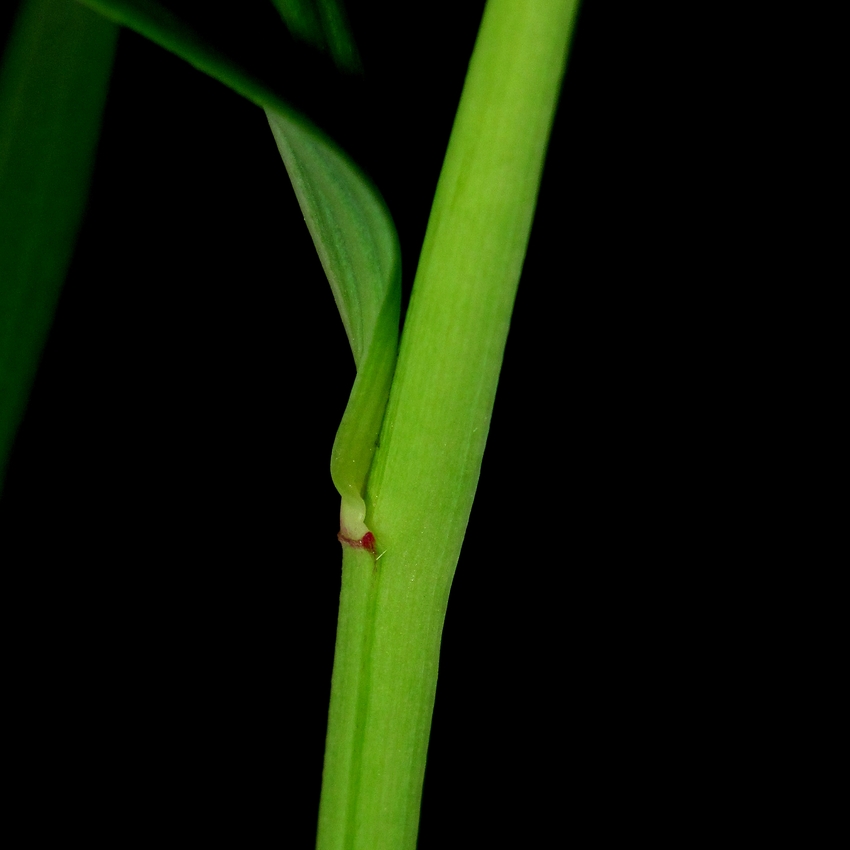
(323, 24)
(53, 84)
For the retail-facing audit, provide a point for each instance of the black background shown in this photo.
(168, 505)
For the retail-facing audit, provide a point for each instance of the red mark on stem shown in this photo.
(367, 541)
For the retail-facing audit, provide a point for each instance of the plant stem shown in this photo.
(426, 468)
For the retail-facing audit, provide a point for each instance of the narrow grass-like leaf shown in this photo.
(53, 86)
(302, 19)
(358, 247)
(322, 23)
(351, 228)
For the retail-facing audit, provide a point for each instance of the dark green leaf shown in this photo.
(53, 87)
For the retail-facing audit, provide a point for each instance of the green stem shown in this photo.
(426, 468)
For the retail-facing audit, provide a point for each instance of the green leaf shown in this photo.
(53, 87)
(351, 228)
(359, 250)
(323, 24)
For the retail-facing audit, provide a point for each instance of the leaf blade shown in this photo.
(351, 228)
(53, 89)
(358, 247)
(323, 24)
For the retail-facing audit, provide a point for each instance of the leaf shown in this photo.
(322, 23)
(357, 244)
(351, 228)
(53, 87)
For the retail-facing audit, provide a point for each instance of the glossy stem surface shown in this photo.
(423, 479)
